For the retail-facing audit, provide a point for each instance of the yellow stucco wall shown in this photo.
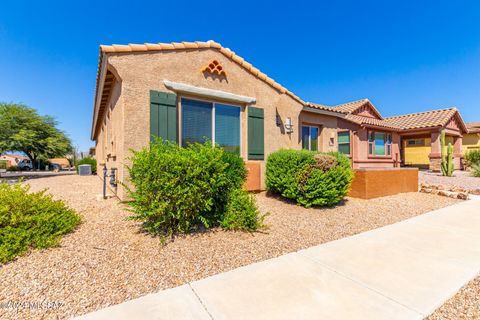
(471, 141)
(417, 155)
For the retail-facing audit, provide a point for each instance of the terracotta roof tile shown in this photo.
(350, 106)
(435, 118)
(370, 121)
(196, 45)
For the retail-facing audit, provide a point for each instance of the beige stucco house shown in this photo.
(191, 91)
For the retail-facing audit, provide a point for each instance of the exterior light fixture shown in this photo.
(289, 125)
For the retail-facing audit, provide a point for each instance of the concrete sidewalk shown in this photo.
(401, 271)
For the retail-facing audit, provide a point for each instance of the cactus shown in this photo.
(447, 159)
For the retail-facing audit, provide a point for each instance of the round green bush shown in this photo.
(309, 178)
(178, 189)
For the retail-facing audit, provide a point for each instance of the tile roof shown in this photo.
(435, 118)
(428, 119)
(371, 121)
(473, 127)
(346, 108)
(115, 48)
(403, 122)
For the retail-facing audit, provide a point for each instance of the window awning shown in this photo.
(208, 93)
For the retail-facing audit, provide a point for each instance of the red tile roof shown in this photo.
(404, 122)
(428, 119)
(115, 48)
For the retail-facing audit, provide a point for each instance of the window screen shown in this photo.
(196, 121)
(227, 127)
(344, 142)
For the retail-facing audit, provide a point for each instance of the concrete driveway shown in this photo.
(401, 271)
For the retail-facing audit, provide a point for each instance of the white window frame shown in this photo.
(214, 103)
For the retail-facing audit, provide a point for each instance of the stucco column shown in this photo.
(457, 152)
(435, 152)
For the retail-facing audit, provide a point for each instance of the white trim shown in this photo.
(208, 93)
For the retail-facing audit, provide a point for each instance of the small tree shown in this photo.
(23, 129)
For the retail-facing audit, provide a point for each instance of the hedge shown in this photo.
(309, 178)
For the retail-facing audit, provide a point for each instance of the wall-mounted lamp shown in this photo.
(289, 125)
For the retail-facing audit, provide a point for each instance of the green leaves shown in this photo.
(23, 129)
(179, 189)
(303, 176)
(31, 220)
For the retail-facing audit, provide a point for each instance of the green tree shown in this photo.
(23, 129)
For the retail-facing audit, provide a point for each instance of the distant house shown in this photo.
(62, 162)
(12, 159)
(471, 140)
(186, 92)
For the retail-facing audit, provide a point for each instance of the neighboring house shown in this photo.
(412, 139)
(62, 162)
(12, 159)
(471, 140)
(188, 91)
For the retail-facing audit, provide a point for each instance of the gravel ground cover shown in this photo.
(460, 179)
(108, 260)
(464, 305)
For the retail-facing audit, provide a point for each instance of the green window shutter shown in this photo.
(163, 115)
(255, 134)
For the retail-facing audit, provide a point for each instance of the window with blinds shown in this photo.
(344, 142)
(208, 121)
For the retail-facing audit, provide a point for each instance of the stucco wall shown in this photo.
(471, 141)
(142, 72)
(109, 144)
(359, 147)
(417, 155)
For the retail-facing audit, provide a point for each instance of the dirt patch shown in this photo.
(108, 260)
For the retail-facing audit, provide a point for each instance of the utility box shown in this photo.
(85, 170)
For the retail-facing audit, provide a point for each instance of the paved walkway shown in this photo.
(401, 271)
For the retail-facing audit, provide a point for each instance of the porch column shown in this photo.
(435, 155)
(457, 152)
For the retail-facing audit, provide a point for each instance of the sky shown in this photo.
(405, 56)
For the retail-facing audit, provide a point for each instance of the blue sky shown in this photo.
(405, 56)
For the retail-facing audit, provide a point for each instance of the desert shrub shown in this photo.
(472, 158)
(87, 160)
(309, 178)
(476, 170)
(13, 169)
(178, 189)
(31, 219)
(241, 212)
